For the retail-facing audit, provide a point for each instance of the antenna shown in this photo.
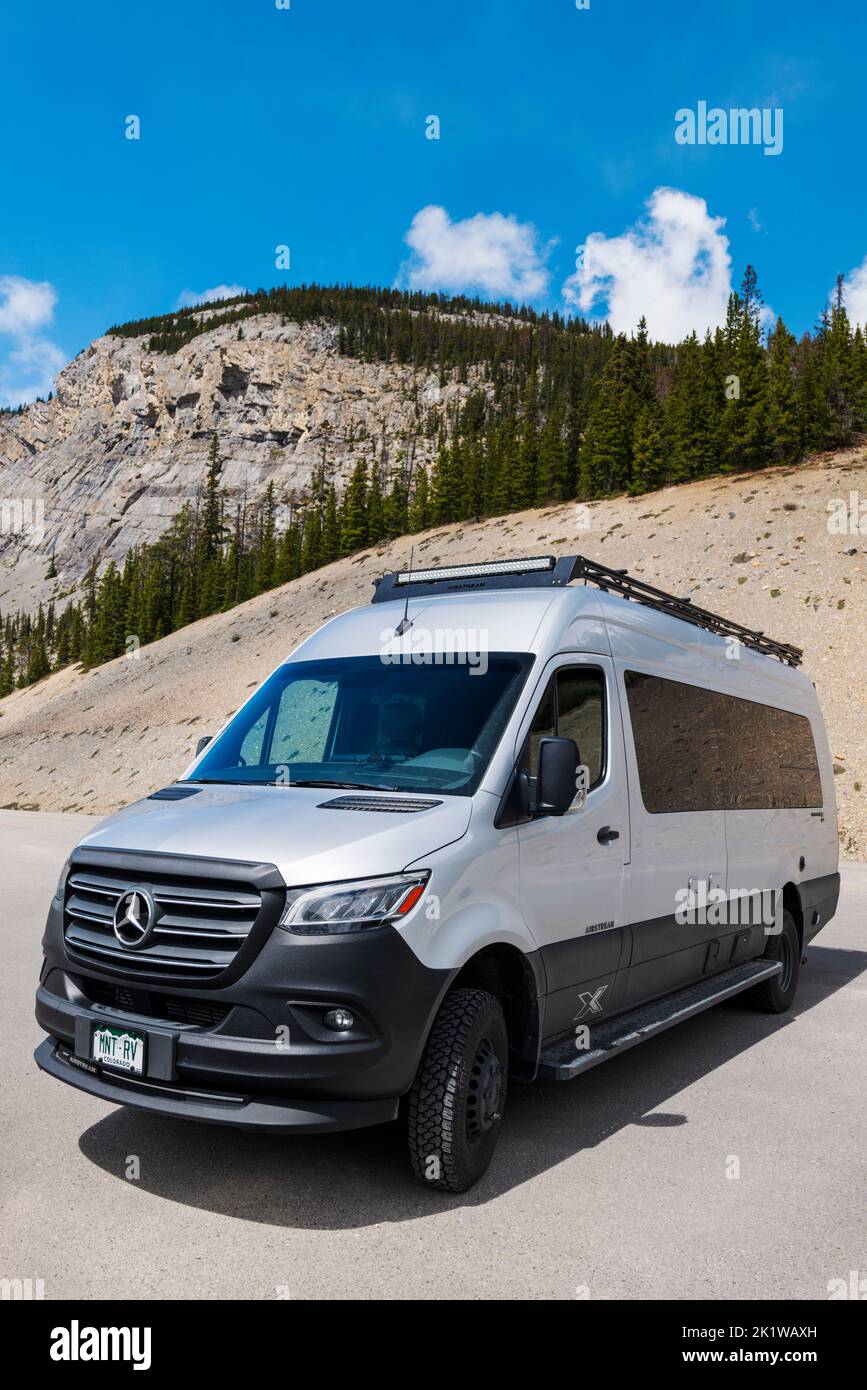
(406, 623)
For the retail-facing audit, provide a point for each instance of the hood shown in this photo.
(289, 827)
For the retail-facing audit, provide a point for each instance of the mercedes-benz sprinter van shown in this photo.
(496, 825)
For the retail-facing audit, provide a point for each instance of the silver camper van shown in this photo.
(502, 823)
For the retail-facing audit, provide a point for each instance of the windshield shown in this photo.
(358, 721)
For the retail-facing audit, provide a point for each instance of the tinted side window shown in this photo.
(801, 784)
(573, 706)
(700, 750)
(581, 715)
(543, 726)
(676, 746)
(771, 756)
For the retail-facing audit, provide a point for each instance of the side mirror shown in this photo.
(203, 743)
(556, 787)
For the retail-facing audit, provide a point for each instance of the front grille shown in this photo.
(199, 925)
(205, 1013)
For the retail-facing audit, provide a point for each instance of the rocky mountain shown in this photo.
(123, 443)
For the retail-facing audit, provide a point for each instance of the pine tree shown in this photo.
(330, 546)
(745, 423)
(353, 529)
(266, 563)
(553, 483)
(838, 375)
(419, 507)
(525, 470)
(605, 460)
(859, 375)
(209, 540)
(813, 420)
(784, 434)
(375, 513)
(446, 484)
(648, 456)
(88, 650)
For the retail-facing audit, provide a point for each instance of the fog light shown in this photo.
(339, 1019)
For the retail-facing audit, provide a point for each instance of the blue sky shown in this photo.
(307, 127)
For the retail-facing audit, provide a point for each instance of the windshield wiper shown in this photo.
(217, 782)
(301, 782)
(343, 786)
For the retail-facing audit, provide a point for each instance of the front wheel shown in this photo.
(459, 1093)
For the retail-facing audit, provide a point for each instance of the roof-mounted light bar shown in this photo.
(530, 572)
(534, 564)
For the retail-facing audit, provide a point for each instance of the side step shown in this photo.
(561, 1061)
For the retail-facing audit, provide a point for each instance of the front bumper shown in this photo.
(241, 1112)
(269, 1062)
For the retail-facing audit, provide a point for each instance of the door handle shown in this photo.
(606, 834)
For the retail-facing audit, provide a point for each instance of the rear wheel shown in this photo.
(775, 996)
(458, 1096)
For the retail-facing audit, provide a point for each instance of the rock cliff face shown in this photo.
(124, 442)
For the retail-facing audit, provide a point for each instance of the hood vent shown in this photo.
(378, 803)
(178, 792)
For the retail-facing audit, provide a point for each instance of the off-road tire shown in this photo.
(458, 1096)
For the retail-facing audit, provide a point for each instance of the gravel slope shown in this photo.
(755, 547)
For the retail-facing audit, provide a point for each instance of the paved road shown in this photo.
(616, 1183)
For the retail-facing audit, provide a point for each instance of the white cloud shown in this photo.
(29, 361)
(188, 298)
(489, 254)
(673, 267)
(855, 294)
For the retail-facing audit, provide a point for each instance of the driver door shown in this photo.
(572, 867)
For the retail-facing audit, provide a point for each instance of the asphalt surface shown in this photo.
(614, 1186)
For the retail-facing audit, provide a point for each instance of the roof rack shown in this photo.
(547, 571)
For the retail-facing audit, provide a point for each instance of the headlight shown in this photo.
(330, 909)
(61, 882)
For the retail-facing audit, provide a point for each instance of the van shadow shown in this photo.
(348, 1181)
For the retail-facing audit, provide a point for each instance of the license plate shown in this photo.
(119, 1048)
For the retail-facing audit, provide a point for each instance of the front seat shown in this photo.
(400, 727)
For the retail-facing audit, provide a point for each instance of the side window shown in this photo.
(543, 726)
(573, 706)
(701, 750)
(771, 757)
(581, 715)
(745, 734)
(676, 745)
(801, 784)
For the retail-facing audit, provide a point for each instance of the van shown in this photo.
(503, 823)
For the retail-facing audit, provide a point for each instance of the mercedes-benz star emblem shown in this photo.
(134, 918)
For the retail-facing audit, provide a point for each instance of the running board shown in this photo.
(561, 1061)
